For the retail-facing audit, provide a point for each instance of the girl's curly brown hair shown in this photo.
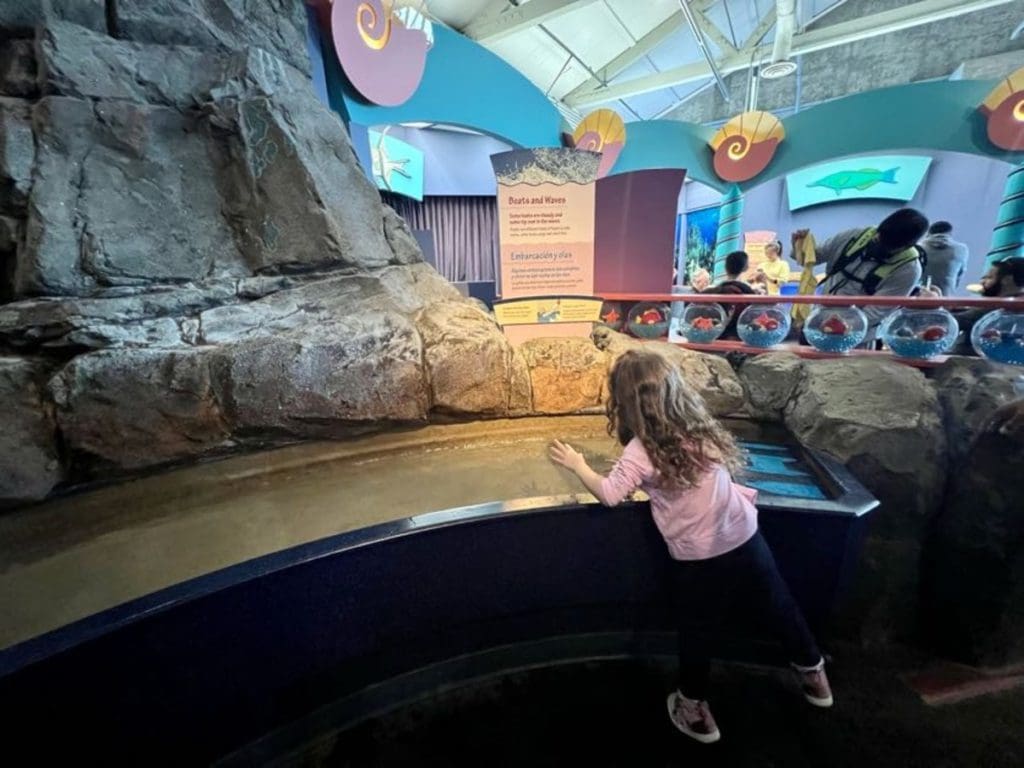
(648, 399)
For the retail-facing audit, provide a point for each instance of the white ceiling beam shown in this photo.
(643, 46)
(874, 25)
(714, 34)
(515, 19)
(762, 29)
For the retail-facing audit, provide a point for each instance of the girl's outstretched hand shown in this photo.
(567, 456)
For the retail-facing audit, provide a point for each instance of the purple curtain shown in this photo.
(465, 231)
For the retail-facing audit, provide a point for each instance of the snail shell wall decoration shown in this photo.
(746, 144)
(601, 131)
(1004, 109)
(382, 48)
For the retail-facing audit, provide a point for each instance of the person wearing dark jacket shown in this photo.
(947, 258)
(736, 264)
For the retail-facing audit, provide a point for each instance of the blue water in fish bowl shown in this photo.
(999, 336)
(906, 332)
(836, 343)
(752, 326)
(917, 348)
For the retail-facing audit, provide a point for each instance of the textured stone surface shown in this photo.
(96, 216)
(29, 462)
(278, 26)
(298, 199)
(883, 420)
(17, 151)
(403, 245)
(243, 190)
(77, 62)
(712, 376)
(974, 569)
(23, 16)
(18, 69)
(566, 375)
(971, 390)
(139, 407)
(66, 324)
(319, 382)
(469, 362)
(770, 382)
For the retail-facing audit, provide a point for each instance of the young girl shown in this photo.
(681, 457)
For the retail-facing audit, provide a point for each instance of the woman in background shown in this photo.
(774, 272)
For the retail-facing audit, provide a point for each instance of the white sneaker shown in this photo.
(814, 684)
(693, 718)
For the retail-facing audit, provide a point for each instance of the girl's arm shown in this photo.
(626, 476)
(573, 460)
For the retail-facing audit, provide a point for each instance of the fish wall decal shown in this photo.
(863, 179)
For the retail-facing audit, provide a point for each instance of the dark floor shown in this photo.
(613, 714)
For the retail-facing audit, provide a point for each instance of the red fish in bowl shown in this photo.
(765, 322)
(834, 326)
(650, 317)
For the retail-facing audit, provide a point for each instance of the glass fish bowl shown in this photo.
(999, 336)
(919, 333)
(648, 320)
(836, 329)
(763, 325)
(703, 323)
(612, 315)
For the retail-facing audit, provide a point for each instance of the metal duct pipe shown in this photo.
(785, 28)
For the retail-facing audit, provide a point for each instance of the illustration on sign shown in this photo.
(559, 309)
(396, 166)
(863, 179)
(887, 177)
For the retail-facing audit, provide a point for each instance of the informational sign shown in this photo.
(546, 228)
(543, 311)
(395, 165)
(886, 177)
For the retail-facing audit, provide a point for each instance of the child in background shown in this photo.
(681, 457)
(775, 271)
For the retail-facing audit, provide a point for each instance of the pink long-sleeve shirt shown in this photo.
(707, 520)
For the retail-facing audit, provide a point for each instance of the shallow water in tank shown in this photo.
(74, 556)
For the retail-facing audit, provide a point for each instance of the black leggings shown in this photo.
(742, 582)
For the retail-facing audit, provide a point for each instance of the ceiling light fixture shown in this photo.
(777, 70)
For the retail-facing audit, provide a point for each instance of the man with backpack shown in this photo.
(876, 261)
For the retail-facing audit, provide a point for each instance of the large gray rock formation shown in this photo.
(192, 246)
(971, 390)
(974, 565)
(883, 420)
(276, 26)
(471, 367)
(29, 461)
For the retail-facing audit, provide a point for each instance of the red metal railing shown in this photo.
(823, 301)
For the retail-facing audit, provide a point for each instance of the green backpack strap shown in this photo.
(883, 270)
